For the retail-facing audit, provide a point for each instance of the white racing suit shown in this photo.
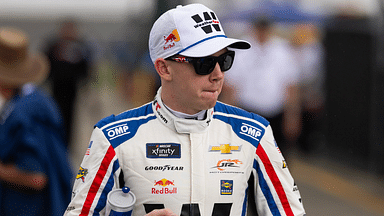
(193, 167)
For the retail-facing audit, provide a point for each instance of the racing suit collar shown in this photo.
(180, 125)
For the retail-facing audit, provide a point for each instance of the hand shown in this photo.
(161, 212)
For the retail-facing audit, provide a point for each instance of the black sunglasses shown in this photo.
(205, 65)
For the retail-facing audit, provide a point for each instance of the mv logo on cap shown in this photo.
(209, 21)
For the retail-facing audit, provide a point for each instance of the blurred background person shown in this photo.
(265, 81)
(69, 56)
(34, 170)
(309, 53)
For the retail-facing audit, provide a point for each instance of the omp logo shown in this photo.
(250, 131)
(225, 148)
(209, 21)
(117, 131)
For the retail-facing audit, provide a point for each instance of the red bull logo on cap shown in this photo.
(165, 190)
(171, 39)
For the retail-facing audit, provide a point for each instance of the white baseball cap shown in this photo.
(192, 30)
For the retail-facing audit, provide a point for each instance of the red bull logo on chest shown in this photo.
(165, 183)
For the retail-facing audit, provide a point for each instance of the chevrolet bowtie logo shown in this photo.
(225, 148)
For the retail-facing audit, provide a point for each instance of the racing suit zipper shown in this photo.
(197, 175)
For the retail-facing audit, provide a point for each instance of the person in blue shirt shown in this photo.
(34, 169)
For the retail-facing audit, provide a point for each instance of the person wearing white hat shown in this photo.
(34, 170)
(185, 153)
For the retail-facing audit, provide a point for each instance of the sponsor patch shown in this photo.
(225, 148)
(284, 164)
(222, 164)
(227, 166)
(82, 173)
(166, 187)
(117, 131)
(226, 187)
(163, 150)
(158, 109)
(209, 23)
(251, 131)
(171, 39)
(164, 168)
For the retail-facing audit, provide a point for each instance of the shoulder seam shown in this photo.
(240, 117)
(128, 119)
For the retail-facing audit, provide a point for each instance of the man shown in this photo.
(34, 170)
(265, 80)
(185, 153)
(69, 57)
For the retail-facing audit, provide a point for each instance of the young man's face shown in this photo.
(194, 92)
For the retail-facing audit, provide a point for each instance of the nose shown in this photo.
(216, 74)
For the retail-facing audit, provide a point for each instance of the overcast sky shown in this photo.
(118, 9)
(91, 9)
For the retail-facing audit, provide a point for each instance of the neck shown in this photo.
(171, 101)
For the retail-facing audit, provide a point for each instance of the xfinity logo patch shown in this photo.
(163, 150)
(209, 21)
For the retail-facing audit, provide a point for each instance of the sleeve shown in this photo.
(275, 190)
(98, 174)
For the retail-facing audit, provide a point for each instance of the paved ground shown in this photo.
(327, 188)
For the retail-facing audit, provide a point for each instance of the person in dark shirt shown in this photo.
(69, 57)
(34, 169)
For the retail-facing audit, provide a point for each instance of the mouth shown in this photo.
(211, 92)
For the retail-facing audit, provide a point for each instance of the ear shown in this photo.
(162, 69)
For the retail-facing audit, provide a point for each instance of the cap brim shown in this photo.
(34, 69)
(211, 46)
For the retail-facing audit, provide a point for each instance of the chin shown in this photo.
(210, 105)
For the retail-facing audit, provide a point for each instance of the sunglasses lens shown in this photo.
(226, 60)
(205, 66)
